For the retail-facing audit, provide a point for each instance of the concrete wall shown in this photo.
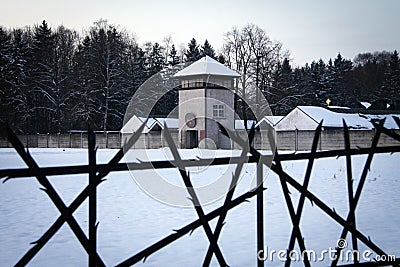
(226, 98)
(200, 103)
(191, 101)
(261, 140)
(285, 140)
(73, 140)
(330, 139)
(152, 140)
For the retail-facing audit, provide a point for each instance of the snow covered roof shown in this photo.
(365, 104)
(207, 66)
(135, 122)
(271, 120)
(390, 123)
(334, 119)
(132, 125)
(172, 123)
(353, 120)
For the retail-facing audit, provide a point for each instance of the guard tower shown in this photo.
(205, 97)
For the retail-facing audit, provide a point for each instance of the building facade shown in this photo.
(206, 98)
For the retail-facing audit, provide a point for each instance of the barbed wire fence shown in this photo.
(97, 172)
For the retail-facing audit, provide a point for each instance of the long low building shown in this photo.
(152, 124)
(294, 131)
(307, 118)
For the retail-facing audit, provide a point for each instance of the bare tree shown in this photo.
(255, 56)
(181, 52)
(107, 51)
(167, 43)
(64, 48)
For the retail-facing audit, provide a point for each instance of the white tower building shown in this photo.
(206, 96)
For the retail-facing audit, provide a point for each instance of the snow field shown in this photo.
(130, 220)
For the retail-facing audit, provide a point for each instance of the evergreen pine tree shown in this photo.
(193, 52)
(317, 85)
(207, 50)
(221, 59)
(173, 55)
(394, 61)
(141, 70)
(283, 94)
(85, 102)
(20, 101)
(391, 86)
(156, 59)
(293, 87)
(5, 74)
(42, 69)
(134, 70)
(368, 77)
(339, 92)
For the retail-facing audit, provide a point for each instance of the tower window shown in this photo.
(194, 83)
(185, 83)
(219, 111)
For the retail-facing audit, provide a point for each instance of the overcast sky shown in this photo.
(308, 29)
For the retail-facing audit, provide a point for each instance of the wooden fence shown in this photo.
(285, 140)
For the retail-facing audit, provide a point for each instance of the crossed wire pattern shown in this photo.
(97, 173)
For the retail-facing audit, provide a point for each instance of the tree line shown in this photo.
(264, 64)
(56, 80)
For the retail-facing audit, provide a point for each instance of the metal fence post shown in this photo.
(92, 198)
(260, 213)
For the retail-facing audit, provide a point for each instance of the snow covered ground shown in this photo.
(130, 220)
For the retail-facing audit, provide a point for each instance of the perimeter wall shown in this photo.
(285, 140)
